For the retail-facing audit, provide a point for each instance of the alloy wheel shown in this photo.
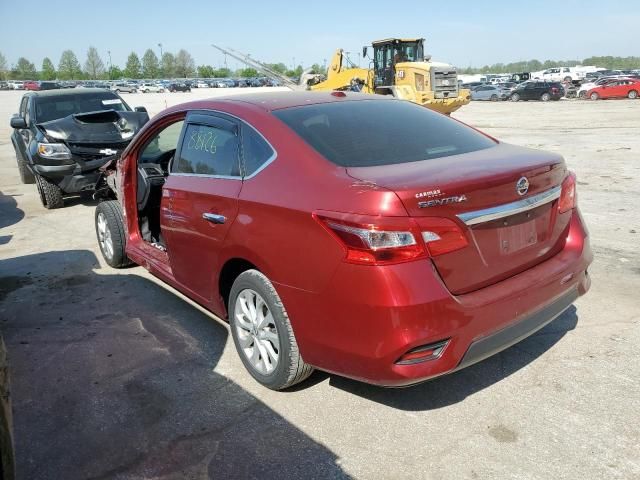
(104, 236)
(257, 332)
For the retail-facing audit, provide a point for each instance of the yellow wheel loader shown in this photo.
(399, 69)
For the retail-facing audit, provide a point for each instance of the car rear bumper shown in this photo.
(370, 316)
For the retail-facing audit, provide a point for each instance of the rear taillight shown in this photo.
(441, 235)
(568, 194)
(389, 240)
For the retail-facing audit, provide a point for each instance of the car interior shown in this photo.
(153, 168)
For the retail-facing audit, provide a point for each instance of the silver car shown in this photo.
(489, 92)
(124, 87)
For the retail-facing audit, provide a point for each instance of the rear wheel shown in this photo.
(26, 175)
(494, 98)
(50, 193)
(515, 97)
(262, 333)
(545, 97)
(568, 79)
(595, 96)
(111, 233)
(632, 94)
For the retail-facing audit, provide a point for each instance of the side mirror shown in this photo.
(140, 109)
(18, 122)
(364, 51)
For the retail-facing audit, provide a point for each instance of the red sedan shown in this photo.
(616, 88)
(356, 234)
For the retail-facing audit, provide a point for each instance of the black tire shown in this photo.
(594, 96)
(545, 97)
(111, 212)
(494, 98)
(633, 94)
(514, 97)
(26, 175)
(568, 79)
(291, 368)
(50, 193)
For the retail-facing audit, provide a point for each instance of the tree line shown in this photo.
(622, 63)
(179, 65)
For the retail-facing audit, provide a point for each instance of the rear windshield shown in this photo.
(55, 107)
(380, 132)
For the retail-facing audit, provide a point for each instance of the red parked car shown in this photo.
(616, 88)
(31, 85)
(356, 234)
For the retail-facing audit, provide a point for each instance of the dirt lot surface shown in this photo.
(117, 376)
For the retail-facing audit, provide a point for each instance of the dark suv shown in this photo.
(62, 138)
(537, 90)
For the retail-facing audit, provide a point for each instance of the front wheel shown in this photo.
(515, 97)
(494, 98)
(262, 333)
(632, 94)
(111, 233)
(50, 193)
(545, 97)
(595, 96)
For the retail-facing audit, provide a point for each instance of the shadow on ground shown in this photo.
(450, 389)
(10, 214)
(113, 378)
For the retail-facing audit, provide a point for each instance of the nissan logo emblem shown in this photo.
(522, 187)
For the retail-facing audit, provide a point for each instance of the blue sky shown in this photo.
(461, 32)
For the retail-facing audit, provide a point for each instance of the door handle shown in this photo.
(214, 218)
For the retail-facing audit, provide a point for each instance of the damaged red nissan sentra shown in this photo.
(360, 235)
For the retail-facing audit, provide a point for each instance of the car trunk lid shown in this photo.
(508, 232)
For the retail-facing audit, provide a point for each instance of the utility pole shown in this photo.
(110, 65)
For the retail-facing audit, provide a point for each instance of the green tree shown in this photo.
(25, 70)
(248, 72)
(116, 73)
(48, 70)
(168, 65)
(185, 66)
(317, 68)
(222, 73)
(206, 71)
(3, 67)
(69, 67)
(93, 66)
(278, 67)
(150, 64)
(132, 68)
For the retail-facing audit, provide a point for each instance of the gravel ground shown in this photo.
(117, 376)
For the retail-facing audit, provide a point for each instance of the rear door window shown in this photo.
(209, 149)
(380, 132)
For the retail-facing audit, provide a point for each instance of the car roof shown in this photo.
(67, 91)
(270, 101)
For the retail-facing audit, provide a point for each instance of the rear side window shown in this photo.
(208, 150)
(255, 151)
(380, 132)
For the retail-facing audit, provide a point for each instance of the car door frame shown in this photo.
(170, 219)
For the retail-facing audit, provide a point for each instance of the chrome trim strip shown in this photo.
(501, 211)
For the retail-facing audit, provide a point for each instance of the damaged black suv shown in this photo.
(62, 138)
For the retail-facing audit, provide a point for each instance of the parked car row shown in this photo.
(602, 88)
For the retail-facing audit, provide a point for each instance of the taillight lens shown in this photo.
(384, 240)
(568, 195)
(441, 235)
